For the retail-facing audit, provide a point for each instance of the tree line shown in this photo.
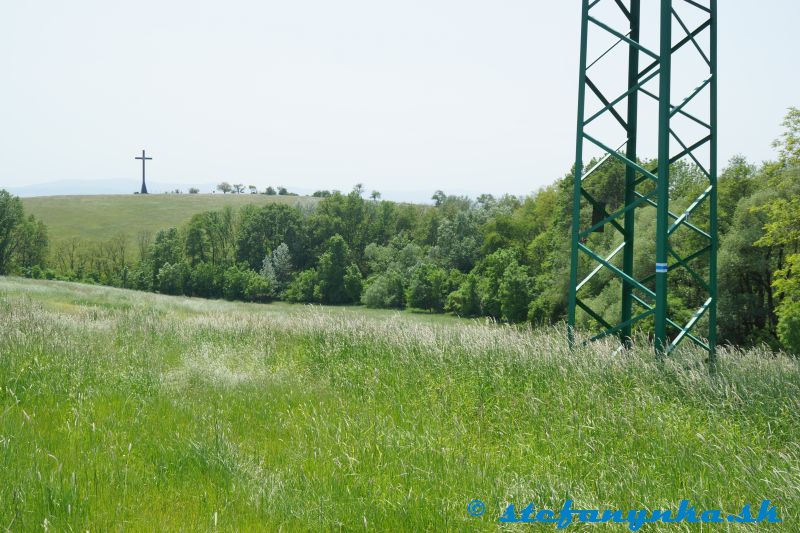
(504, 257)
(239, 188)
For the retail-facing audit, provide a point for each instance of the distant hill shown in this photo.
(100, 217)
(109, 186)
(129, 186)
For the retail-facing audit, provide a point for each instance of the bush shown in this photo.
(234, 283)
(282, 266)
(277, 268)
(492, 270)
(789, 326)
(171, 279)
(514, 293)
(466, 300)
(303, 288)
(339, 279)
(352, 284)
(139, 278)
(427, 287)
(34, 272)
(259, 288)
(206, 280)
(385, 291)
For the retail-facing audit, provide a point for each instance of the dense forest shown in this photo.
(505, 258)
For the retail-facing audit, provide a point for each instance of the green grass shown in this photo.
(98, 218)
(124, 410)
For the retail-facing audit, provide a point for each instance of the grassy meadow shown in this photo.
(135, 411)
(98, 218)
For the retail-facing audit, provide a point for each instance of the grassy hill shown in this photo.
(124, 409)
(100, 217)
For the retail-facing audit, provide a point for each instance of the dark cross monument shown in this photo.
(143, 158)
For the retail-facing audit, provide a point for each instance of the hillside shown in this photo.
(134, 409)
(98, 218)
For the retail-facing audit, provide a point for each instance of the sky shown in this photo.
(405, 97)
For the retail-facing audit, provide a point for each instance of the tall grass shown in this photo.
(124, 410)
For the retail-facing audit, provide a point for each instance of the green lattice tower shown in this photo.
(644, 294)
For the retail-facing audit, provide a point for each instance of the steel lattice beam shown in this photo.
(651, 289)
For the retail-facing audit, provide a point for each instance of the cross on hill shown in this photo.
(143, 158)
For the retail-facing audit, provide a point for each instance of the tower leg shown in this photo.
(576, 193)
(712, 262)
(630, 172)
(662, 211)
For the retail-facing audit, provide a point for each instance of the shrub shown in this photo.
(282, 266)
(789, 326)
(277, 268)
(206, 280)
(234, 283)
(171, 278)
(259, 288)
(339, 279)
(385, 291)
(139, 278)
(352, 284)
(427, 287)
(302, 288)
(466, 300)
(492, 270)
(514, 293)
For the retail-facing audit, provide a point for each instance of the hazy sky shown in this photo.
(404, 95)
